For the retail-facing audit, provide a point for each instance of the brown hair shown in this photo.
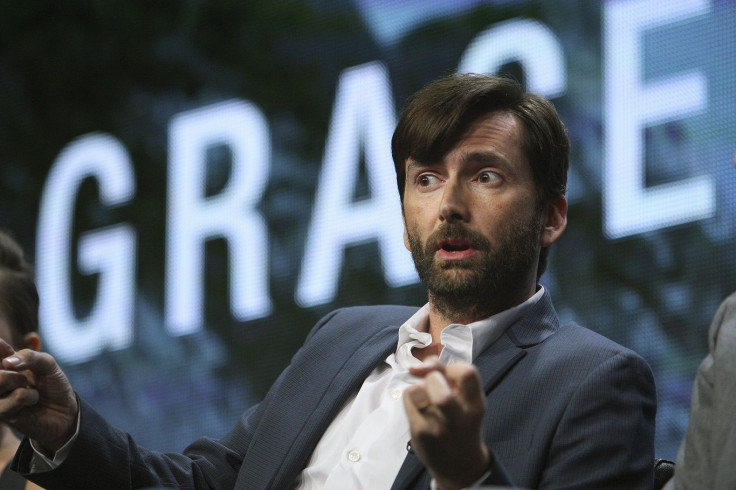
(436, 117)
(18, 294)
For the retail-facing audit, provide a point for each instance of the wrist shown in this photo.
(51, 446)
(472, 476)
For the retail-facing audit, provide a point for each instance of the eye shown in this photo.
(488, 177)
(427, 180)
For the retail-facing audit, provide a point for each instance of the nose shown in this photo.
(454, 206)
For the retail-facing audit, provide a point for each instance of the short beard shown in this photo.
(488, 283)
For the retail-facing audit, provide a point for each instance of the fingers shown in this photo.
(437, 388)
(17, 400)
(10, 381)
(433, 391)
(467, 384)
(460, 377)
(431, 363)
(432, 398)
(446, 394)
(39, 363)
(15, 394)
(445, 411)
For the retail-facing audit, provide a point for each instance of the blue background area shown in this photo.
(79, 67)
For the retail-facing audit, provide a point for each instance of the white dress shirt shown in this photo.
(365, 445)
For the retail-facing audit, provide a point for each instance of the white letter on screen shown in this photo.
(193, 218)
(363, 116)
(629, 207)
(528, 42)
(109, 252)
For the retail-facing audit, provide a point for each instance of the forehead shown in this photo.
(491, 137)
(498, 129)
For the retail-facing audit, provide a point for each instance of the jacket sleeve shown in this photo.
(105, 457)
(605, 437)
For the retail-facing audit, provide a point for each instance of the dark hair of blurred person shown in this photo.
(19, 327)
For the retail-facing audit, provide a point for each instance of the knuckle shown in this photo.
(433, 432)
(10, 380)
(466, 370)
(42, 362)
(25, 396)
(45, 355)
(461, 373)
(20, 396)
(445, 401)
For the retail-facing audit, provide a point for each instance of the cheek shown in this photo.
(500, 215)
(410, 228)
(417, 215)
(415, 234)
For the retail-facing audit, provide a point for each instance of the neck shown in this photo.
(440, 316)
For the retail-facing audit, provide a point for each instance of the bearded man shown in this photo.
(482, 385)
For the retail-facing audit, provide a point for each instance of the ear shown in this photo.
(406, 234)
(555, 221)
(31, 341)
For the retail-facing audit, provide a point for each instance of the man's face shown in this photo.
(473, 222)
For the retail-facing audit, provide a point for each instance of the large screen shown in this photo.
(199, 182)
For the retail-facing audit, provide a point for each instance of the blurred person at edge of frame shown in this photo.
(707, 457)
(18, 327)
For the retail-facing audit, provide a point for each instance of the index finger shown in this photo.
(466, 380)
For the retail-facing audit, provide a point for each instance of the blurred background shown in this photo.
(198, 182)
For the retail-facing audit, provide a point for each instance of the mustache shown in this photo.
(456, 232)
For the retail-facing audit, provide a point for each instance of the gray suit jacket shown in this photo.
(707, 457)
(567, 408)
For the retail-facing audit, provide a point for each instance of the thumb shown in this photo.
(40, 363)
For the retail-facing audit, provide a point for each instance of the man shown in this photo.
(707, 454)
(484, 385)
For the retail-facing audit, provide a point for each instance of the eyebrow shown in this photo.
(416, 166)
(412, 164)
(484, 157)
(477, 157)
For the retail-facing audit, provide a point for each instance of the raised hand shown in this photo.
(36, 398)
(446, 421)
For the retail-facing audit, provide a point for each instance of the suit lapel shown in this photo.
(307, 402)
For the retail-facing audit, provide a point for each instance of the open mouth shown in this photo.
(453, 246)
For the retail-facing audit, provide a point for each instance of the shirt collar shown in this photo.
(461, 342)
